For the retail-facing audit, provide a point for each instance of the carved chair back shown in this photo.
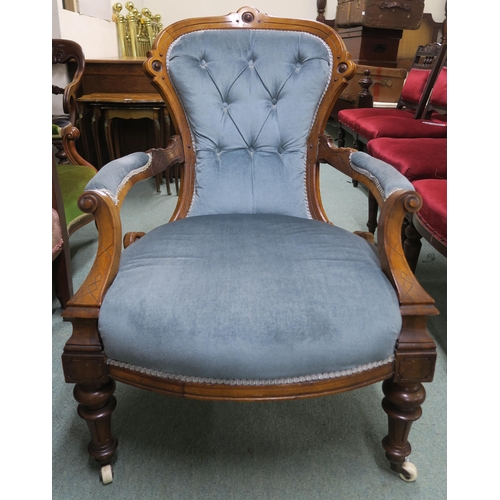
(250, 99)
(66, 52)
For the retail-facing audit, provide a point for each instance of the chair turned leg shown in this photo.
(341, 140)
(60, 153)
(402, 403)
(96, 406)
(372, 213)
(412, 245)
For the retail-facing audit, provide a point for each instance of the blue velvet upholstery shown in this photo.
(248, 286)
(112, 176)
(386, 177)
(251, 144)
(249, 297)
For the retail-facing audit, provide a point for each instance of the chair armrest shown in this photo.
(379, 177)
(396, 197)
(385, 177)
(118, 176)
(103, 196)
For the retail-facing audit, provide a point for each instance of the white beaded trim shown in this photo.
(114, 196)
(254, 382)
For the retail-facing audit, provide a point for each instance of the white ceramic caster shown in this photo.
(106, 474)
(411, 470)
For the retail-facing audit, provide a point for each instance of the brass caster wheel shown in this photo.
(106, 474)
(410, 472)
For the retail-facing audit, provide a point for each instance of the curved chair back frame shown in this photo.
(246, 18)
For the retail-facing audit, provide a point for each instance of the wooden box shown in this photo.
(372, 46)
(403, 14)
(386, 87)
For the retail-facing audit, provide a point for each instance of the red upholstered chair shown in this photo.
(436, 108)
(433, 125)
(430, 222)
(411, 105)
(417, 158)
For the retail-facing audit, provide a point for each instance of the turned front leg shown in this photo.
(96, 406)
(402, 403)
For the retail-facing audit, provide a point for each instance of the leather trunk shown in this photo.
(403, 14)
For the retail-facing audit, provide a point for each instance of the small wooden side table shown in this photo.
(125, 106)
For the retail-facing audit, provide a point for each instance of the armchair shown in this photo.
(249, 292)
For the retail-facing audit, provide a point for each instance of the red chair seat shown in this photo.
(419, 158)
(433, 214)
(350, 117)
(397, 127)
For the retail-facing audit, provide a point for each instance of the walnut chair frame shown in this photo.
(86, 362)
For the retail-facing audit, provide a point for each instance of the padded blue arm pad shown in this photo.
(113, 176)
(385, 176)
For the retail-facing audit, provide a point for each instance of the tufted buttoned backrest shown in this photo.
(250, 97)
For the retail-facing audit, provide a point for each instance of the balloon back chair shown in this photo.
(67, 55)
(249, 293)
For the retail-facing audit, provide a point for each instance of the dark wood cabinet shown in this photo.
(372, 46)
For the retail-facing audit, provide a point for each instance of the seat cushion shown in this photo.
(249, 297)
(433, 214)
(417, 158)
(351, 117)
(397, 127)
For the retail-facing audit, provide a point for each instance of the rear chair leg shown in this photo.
(372, 213)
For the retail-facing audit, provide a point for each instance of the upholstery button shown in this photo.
(250, 63)
(280, 150)
(250, 150)
(274, 101)
(225, 104)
